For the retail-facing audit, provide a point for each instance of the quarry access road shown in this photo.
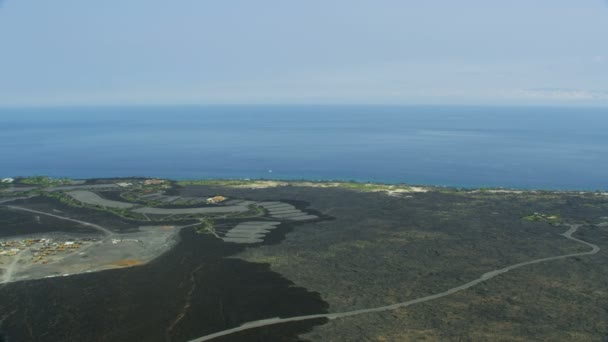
(486, 276)
(8, 272)
(13, 199)
(104, 230)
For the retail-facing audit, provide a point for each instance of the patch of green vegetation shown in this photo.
(219, 182)
(124, 213)
(353, 185)
(369, 186)
(538, 217)
(254, 211)
(44, 181)
(207, 226)
(68, 200)
(132, 197)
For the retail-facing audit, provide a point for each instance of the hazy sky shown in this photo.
(312, 51)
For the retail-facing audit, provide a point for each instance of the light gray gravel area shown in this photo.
(303, 218)
(247, 202)
(250, 231)
(89, 197)
(242, 240)
(193, 199)
(170, 199)
(251, 228)
(262, 230)
(284, 216)
(20, 189)
(156, 194)
(246, 234)
(272, 204)
(265, 203)
(258, 223)
(284, 211)
(185, 211)
(79, 187)
(278, 205)
(283, 207)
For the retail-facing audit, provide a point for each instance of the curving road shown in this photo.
(484, 277)
(13, 199)
(105, 231)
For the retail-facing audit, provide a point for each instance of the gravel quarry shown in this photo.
(95, 253)
(92, 198)
(110, 249)
(250, 232)
(186, 211)
(286, 211)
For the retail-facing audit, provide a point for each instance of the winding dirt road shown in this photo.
(484, 277)
(13, 199)
(8, 275)
(104, 230)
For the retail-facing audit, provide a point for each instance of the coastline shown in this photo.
(370, 185)
(418, 241)
(263, 182)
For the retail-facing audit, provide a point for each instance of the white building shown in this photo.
(7, 180)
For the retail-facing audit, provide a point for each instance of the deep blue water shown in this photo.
(552, 148)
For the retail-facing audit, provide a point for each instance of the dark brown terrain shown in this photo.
(367, 249)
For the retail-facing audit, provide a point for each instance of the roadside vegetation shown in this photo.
(538, 217)
(68, 200)
(371, 186)
(207, 226)
(219, 182)
(350, 185)
(44, 181)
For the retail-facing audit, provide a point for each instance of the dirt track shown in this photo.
(485, 277)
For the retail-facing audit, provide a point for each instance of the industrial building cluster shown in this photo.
(41, 249)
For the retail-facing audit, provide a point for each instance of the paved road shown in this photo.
(484, 277)
(106, 231)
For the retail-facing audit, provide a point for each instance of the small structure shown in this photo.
(216, 199)
(153, 181)
(8, 180)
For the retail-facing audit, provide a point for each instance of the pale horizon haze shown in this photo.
(474, 52)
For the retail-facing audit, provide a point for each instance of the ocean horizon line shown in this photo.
(325, 181)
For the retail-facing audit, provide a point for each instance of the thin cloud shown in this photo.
(565, 94)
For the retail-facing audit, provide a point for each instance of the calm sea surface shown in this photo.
(553, 148)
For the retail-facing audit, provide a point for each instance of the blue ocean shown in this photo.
(512, 147)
